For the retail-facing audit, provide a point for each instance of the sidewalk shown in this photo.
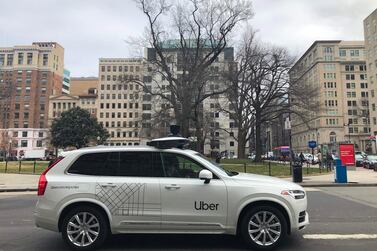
(18, 182)
(359, 177)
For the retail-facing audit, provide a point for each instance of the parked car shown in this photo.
(90, 193)
(251, 157)
(309, 158)
(360, 160)
(371, 161)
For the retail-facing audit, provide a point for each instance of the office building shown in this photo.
(337, 69)
(29, 75)
(66, 81)
(119, 104)
(370, 34)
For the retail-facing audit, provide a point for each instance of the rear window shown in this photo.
(96, 164)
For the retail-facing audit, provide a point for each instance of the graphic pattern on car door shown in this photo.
(188, 204)
(132, 193)
(123, 199)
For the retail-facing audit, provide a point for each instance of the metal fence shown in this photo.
(23, 166)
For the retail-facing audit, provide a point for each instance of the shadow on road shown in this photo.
(184, 242)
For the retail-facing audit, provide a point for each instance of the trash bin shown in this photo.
(297, 172)
(340, 172)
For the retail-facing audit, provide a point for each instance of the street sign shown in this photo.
(287, 124)
(312, 144)
(347, 154)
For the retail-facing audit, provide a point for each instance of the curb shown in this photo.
(338, 184)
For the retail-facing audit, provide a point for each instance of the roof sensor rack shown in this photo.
(169, 142)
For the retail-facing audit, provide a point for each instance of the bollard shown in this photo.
(269, 168)
(244, 167)
(19, 166)
(34, 166)
(6, 165)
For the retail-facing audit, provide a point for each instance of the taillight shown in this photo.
(42, 184)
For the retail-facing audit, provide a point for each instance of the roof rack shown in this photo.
(169, 142)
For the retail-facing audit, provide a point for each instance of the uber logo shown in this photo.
(204, 206)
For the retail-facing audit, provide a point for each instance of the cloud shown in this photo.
(90, 29)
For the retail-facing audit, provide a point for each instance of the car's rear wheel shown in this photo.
(84, 228)
(263, 227)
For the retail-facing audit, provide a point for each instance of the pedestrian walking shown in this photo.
(302, 158)
(329, 159)
(319, 157)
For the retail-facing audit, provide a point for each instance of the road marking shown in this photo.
(339, 236)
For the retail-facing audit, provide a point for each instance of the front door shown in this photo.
(132, 195)
(188, 204)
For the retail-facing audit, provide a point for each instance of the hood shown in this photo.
(266, 180)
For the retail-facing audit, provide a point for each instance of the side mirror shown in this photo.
(206, 176)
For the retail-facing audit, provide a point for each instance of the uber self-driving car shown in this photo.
(90, 193)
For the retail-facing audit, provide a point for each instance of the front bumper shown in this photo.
(303, 221)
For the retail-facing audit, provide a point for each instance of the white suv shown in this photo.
(92, 192)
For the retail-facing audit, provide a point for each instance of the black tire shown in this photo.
(245, 226)
(100, 218)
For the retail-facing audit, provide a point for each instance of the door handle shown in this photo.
(172, 187)
(108, 185)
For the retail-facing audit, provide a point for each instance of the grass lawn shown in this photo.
(275, 169)
(26, 167)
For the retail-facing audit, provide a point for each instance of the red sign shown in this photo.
(347, 154)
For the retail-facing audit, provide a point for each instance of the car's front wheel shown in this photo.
(263, 227)
(84, 228)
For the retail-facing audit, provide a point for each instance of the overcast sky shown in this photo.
(90, 29)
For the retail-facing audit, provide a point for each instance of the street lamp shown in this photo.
(10, 147)
(349, 134)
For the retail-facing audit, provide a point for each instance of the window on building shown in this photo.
(20, 58)
(45, 59)
(24, 143)
(39, 143)
(29, 58)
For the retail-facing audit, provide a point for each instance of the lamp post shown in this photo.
(10, 147)
(7, 157)
(349, 134)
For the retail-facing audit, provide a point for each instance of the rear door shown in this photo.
(132, 193)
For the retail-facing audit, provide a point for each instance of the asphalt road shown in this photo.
(336, 211)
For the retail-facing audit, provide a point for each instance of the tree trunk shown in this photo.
(258, 142)
(241, 142)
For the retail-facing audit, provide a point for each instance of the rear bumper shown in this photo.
(44, 222)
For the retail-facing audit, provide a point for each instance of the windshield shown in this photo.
(229, 173)
(358, 156)
(372, 157)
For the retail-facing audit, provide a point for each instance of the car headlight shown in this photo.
(296, 194)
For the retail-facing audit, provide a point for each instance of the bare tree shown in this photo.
(183, 51)
(261, 90)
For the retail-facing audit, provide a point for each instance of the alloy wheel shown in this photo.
(264, 228)
(83, 229)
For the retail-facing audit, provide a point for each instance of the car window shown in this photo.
(140, 164)
(179, 166)
(105, 164)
